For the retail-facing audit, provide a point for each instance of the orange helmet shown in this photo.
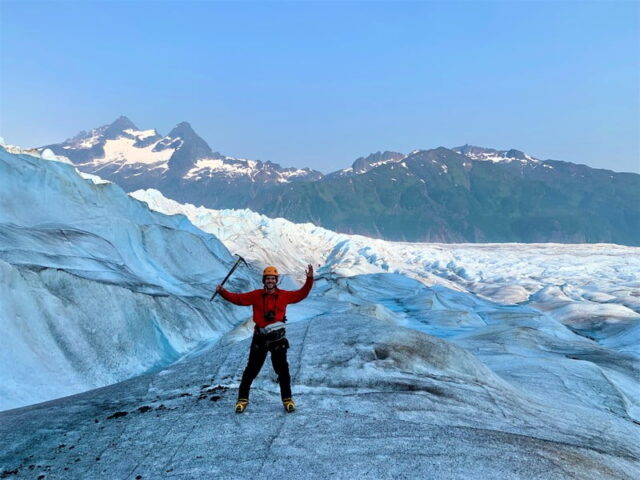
(270, 271)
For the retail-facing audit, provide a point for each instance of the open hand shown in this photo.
(309, 271)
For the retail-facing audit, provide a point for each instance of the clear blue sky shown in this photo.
(320, 83)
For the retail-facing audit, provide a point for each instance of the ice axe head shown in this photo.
(242, 260)
(235, 265)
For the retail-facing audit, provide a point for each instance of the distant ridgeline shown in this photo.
(464, 194)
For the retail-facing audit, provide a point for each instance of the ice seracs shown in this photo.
(603, 279)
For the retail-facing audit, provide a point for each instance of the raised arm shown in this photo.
(297, 295)
(244, 299)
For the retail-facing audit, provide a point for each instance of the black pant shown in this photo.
(257, 356)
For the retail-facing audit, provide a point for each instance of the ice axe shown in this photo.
(235, 265)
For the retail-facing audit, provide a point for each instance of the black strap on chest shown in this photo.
(275, 304)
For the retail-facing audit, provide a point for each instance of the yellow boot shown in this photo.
(241, 404)
(289, 405)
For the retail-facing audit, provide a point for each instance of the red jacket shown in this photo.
(264, 302)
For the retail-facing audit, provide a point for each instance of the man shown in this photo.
(269, 314)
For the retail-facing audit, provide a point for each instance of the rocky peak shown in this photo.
(364, 164)
(117, 127)
(192, 148)
(513, 153)
(481, 153)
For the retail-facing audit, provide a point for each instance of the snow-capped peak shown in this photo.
(121, 144)
(115, 129)
(364, 164)
(136, 158)
(185, 131)
(252, 170)
(493, 155)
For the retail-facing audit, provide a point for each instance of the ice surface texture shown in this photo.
(375, 400)
(96, 287)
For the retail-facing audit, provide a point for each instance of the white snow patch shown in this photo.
(293, 173)
(212, 166)
(499, 157)
(141, 134)
(122, 150)
(88, 142)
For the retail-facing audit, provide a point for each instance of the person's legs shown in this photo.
(257, 356)
(281, 367)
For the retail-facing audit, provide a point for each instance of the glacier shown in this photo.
(93, 290)
(408, 360)
(591, 288)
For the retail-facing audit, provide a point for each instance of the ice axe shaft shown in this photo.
(235, 265)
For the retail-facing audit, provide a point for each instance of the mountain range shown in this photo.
(460, 194)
